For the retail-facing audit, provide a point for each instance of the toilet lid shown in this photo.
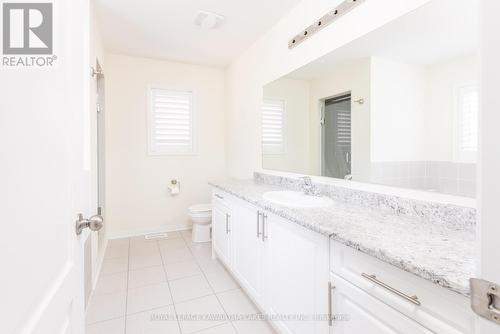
(200, 208)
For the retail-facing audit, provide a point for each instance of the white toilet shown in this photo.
(201, 216)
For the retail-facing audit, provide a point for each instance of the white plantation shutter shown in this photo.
(344, 128)
(273, 126)
(468, 109)
(171, 122)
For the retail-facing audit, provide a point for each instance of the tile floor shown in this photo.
(159, 286)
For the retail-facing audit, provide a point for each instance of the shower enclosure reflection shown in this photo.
(398, 106)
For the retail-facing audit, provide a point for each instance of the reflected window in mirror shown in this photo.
(273, 126)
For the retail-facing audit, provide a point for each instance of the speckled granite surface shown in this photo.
(439, 251)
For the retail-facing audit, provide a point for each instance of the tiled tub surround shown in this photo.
(441, 176)
(433, 241)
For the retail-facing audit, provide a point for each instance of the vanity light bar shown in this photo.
(342, 9)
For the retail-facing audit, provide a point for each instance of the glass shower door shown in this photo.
(336, 137)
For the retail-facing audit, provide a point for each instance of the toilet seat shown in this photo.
(200, 208)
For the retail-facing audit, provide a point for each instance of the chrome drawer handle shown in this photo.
(258, 223)
(373, 278)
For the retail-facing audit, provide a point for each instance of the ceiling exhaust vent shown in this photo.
(208, 20)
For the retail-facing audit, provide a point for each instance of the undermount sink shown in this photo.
(297, 199)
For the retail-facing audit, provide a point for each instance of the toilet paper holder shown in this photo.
(175, 187)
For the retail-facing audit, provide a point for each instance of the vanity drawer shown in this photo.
(436, 308)
(220, 197)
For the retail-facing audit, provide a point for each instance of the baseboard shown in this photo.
(100, 261)
(138, 233)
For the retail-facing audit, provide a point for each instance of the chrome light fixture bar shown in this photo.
(327, 19)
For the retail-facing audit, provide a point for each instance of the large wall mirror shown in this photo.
(398, 106)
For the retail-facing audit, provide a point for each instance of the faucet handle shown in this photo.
(307, 180)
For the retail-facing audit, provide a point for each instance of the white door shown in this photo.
(44, 172)
(489, 155)
(248, 248)
(355, 311)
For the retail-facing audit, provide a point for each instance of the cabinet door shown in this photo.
(355, 311)
(221, 232)
(296, 276)
(248, 249)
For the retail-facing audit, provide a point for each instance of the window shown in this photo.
(273, 126)
(467, 125)
(171, 120)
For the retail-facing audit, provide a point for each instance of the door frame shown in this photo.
(488, 179)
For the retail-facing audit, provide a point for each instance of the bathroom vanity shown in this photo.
(350, 267)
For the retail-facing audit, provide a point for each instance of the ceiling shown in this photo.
(435, 32)
(165, 29)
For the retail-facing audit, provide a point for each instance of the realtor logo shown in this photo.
(27, 30)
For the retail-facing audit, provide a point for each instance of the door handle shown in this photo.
(330, 305)
(264, 218)
(227, 223)
(258, 224)
(94, 223)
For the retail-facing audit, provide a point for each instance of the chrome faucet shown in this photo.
(308, 187)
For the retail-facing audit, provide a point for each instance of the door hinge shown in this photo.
(485, 299)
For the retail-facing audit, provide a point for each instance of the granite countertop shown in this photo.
(440, 253)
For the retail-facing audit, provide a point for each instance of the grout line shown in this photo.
(104, 320)
(169, 288)
(128, 274)
(210, 285)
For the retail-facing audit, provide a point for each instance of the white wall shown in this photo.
(137, 197)
(295, 93)
(269, 58)
(442, 80)
(397, 111)
(351, 76)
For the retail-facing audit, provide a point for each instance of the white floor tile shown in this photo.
(115, 252)
(106, 307)
(186, 234)
(221, 329)
(118, 242)
(208, 308)
(190, 288)
(176, 270)
(148, 297)
(115, 326)
(176, 255)
(157, 321)
(144, 261)
(141, 239)
(221, 281)
(113, 266)
(209, 266)
(252, 327)
(236, 302)
(171, 243)
(144, 248)
(202, 251)
(111, 283)
(146, 276)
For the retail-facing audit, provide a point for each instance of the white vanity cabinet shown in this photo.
(296, 276)
(248, 250)
(299, 278)
(221, 226)
(356, 311)
(282, 266)
(367, 288)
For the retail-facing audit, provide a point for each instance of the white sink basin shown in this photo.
(297, 199)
